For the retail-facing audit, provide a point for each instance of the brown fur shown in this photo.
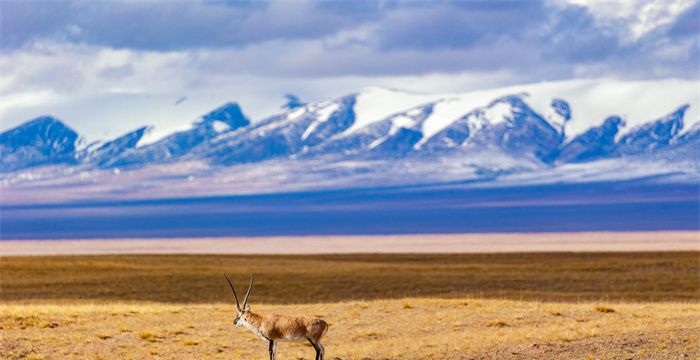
(287, 328)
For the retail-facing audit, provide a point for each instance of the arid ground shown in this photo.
(610, 305)
(485, 243)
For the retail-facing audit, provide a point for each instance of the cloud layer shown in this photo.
(58, 52)
(476, 34)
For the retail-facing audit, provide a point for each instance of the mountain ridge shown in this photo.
(385, 133)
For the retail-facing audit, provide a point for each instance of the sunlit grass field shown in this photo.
(333, 278)
(552, 306)
(380, 329)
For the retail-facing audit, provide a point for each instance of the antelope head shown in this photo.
(242, 310)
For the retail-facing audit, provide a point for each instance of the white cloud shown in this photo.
(29, 99)
(101, 106)
(636, 18)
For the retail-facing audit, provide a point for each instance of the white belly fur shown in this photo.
(294, 339)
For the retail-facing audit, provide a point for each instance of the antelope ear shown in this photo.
(247, 308)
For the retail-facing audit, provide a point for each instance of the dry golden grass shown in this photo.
(381, 329)
(307, 279)
(500, 306)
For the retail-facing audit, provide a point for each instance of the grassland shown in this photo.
(381, 329)
(333, 278)
(504, 306)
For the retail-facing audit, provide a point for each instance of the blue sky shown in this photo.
(105, 66)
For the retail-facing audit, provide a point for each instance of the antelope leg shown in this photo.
(317, 348)
(272, 350)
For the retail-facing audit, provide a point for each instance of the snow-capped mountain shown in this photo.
(597, 142)
(287, 134)
(223, 119)
(387, 134)
(105, 153)
(41, 141)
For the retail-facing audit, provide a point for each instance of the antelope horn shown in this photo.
(250, 287)
(238, 305)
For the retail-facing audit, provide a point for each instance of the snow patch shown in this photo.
(220, 126)
(309, 130)
(144, 136)
(325, 113)
(401, 121)
(296, 113)
(448, 111)
(377, 142)
(498, 113)
(397, 123)
(160, 133)
(414, 112)
(322, 115)
(375, 104)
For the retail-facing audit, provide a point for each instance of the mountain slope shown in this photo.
(653, 135)
(104, 154)
(596, 143)
(283, 135)
(226, 118)
(41, 141)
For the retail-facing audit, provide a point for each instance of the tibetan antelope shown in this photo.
(276, 328)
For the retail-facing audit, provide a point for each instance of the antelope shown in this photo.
(276, 328)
